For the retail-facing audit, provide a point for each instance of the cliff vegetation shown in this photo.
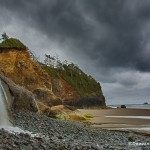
(71, 73)
(11, 43)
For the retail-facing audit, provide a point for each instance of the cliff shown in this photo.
(50, 86)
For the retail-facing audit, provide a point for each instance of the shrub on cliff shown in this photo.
(4, 36)
(11, 43)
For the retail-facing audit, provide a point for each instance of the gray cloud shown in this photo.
(109, 37)
(75, 22)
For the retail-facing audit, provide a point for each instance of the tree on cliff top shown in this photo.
(72, 74)
(11, 43)
(4, 36)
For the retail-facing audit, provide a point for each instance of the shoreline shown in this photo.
(42, 132)
(119, 119)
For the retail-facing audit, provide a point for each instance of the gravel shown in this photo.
(39, 132)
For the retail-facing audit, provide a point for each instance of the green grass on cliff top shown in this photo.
(12, 43)
(83, 83)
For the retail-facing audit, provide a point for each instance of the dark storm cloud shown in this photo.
(109, 32)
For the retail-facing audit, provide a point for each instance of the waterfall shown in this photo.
(4, 119)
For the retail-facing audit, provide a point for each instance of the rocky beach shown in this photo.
(39, 132)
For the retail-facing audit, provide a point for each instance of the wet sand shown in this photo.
(117, 112)
(122, 123)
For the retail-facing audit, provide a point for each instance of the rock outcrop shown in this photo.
(46, 96)
(21, 98)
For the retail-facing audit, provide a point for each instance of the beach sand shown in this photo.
(119, 119)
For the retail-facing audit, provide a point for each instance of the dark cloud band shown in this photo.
(107, 31)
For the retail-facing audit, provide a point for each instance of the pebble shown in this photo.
(64, 135)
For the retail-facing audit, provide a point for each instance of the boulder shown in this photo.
(123, 106)
(64, 112)
(21, 98)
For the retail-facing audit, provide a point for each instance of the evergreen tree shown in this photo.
(4, 36)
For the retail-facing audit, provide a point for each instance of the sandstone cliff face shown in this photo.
(20, 68)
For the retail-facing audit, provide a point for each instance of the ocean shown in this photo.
(138, 106)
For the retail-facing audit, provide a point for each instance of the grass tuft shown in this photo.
(88, 116)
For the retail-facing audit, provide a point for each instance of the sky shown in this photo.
(108, 39)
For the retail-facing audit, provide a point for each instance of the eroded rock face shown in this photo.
(20, 68)
(25, 72)
(22, 98)
(93, 100)
(46, 96)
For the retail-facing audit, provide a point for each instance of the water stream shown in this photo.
(5, 102)
(4, 119)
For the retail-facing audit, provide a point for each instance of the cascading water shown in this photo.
(4, 119)
(6, 100)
